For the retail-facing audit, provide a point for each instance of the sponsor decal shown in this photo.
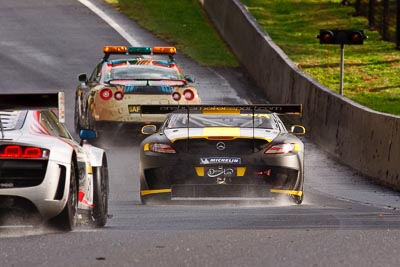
(220, 171)
(219, 160)
(134, 109)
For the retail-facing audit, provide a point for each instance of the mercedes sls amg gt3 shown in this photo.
(222, 152)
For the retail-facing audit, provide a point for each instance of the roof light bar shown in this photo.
(170, 50)
(139, 50)
(115, 49)
(145, 50)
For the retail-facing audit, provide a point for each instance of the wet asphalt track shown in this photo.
(344, 221)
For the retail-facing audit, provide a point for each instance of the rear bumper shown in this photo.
(184, 177)
(128, 109)
(50, 196)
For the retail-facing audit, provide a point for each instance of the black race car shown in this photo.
(209, 152)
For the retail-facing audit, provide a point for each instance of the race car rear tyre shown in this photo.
(66, 220)
(297, 199)
(142, 186)
(101, 192)
(143, 199)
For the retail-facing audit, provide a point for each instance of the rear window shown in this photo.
(211, 120)
(143, 72)
(12, 120)
(133, 89)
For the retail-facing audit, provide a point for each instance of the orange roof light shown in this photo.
(115, 49)
(164, 50)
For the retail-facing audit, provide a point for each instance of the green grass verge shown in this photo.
(184, 24)
(371, 70)
(371, 73)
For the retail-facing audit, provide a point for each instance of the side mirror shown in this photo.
(87, 134)
(149, 129)
(297, 130)
(82, 78)
(190, 78)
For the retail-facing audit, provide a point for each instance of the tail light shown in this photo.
(106, 94)
(176, 96)
(188, 94)
(281, 148)
(161, 148)
(23, 152)
(119, 95)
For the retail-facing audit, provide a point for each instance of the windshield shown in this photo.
(142, 72)
(264, 121)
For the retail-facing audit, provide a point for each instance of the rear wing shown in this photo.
(139, 50)
(34, 102)
(224, 109)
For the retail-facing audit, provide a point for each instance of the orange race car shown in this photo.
(117, 87)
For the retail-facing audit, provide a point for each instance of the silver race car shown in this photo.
(42, 168)
(210, 152)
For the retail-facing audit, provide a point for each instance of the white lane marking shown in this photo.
(110, 21)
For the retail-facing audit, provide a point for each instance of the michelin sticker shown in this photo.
(220, 160)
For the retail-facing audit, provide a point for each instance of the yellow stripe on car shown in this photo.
(296, 147)
(146, 147)
(199, 171)
(217, 137)
(156, 191)
(240, 171)
(221, 131)
(290, 192)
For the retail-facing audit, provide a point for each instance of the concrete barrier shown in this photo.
(361, 138)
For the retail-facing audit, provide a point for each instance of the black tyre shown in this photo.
(101, 192)
(143, 199)
(66, 220)
(297, 199)
(143, 186)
